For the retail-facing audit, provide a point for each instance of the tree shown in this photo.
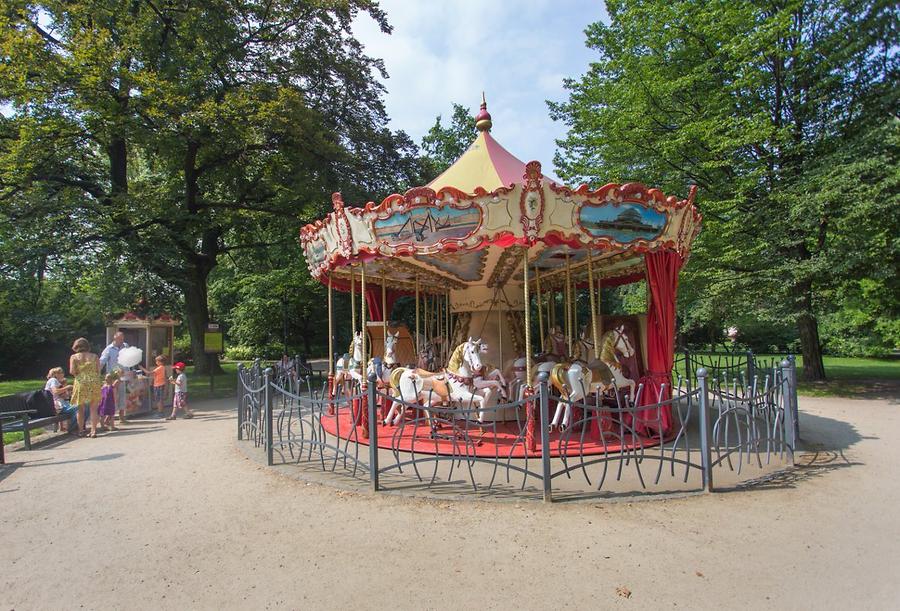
(763, 105)
(444, 145)
(179, 130)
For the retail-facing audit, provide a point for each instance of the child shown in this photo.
(180, 382)
(107, 407)
(158, 390)
(56, 385)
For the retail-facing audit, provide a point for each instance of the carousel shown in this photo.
(496, 256)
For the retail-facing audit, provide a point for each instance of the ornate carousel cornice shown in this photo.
(351, 234)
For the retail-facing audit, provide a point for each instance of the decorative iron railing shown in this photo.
(725, 429)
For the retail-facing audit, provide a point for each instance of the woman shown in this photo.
(56, 385)
(84, 366)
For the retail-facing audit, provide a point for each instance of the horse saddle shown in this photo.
(438, 380)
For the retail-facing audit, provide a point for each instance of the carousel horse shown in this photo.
(556, 344)
(382, 367)
(347, 368)
(462, 382)
(493, 373)
(574, 380)
(427, 356)
(466, 376)
(608, 372)
(598, 376)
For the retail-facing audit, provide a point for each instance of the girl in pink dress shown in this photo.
(108, 402)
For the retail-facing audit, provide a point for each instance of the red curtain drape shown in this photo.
(662, 285)
(373, 302)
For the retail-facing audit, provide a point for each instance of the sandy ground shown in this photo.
(174, 515)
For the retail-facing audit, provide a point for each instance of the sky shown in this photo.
(517, 52)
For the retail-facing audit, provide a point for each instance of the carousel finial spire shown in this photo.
(483, 118)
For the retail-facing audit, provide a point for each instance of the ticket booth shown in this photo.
(154, 336)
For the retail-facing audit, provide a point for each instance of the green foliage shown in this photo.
(182, 133)
(441, 146)
(783, 115)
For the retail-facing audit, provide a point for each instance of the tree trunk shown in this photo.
(196, 311)
(808, 328)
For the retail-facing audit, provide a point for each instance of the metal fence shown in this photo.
(705, 433)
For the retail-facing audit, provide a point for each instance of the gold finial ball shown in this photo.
(483, 118)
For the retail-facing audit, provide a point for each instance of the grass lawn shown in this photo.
(224, 385)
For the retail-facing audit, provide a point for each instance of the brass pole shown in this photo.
(594, 328)
(383, 304)
(449, 328)
(537, 282)
(527, 321)
(568, 313)
(500, 333)
(352, 302)
(599, 306)
(449, 331)
(362, 315)
(330, 331)
(551, 308)
(418, 348)
(425, 321)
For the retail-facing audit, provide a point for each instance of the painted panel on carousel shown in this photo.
(467, 266)
(554, 257)
(424, 226)
(624, 223)
(315, 253)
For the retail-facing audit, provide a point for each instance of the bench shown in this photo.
(22, 421)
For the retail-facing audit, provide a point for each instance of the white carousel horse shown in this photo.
(576, 380)
(494, 373)
(382, 366)
(462, 383)
(349, 367)
(466, 378)
(581, 378)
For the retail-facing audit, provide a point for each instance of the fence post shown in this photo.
(751, 369)
(373, 433)
(795, 405)
(544, 422)
(787, 404)
(705, 428)
(270, 445)
(240, 401)
(687, 368)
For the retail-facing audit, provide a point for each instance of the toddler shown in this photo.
(107, 407)
(180, 402)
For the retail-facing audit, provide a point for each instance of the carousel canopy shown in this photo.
(464, 234)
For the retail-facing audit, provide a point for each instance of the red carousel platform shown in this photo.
(501, 439)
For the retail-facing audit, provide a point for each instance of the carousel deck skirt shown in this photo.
(495, 440)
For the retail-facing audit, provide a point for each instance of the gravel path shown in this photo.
(173, 515)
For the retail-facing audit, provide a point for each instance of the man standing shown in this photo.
(109, 361)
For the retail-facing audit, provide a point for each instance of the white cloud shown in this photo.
(516, 52)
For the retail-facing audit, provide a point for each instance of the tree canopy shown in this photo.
(178, 133)
(784, 115)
